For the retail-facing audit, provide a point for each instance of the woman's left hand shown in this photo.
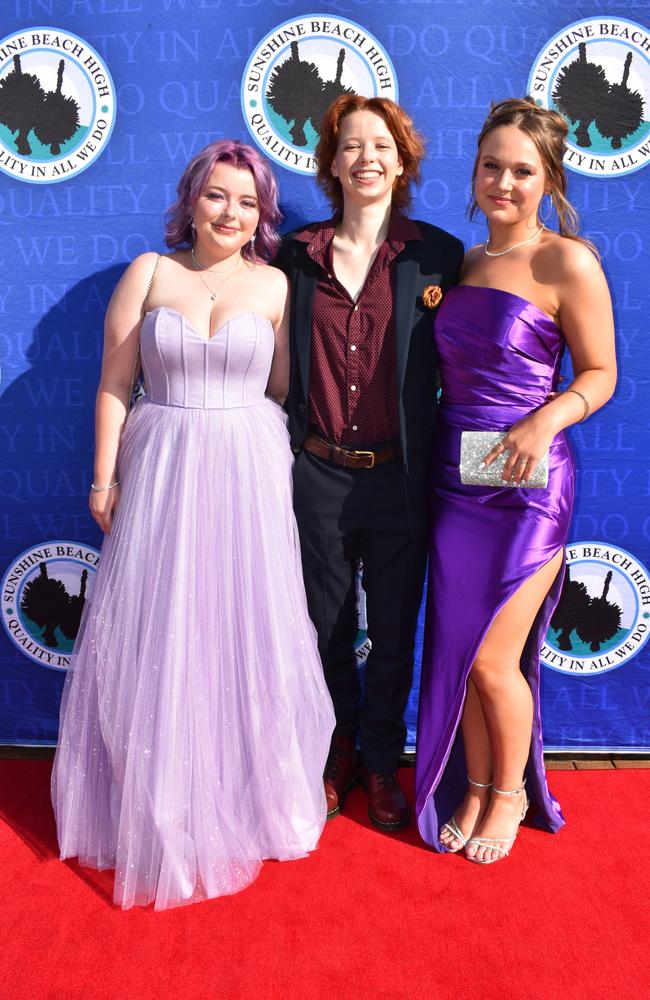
(526, 443)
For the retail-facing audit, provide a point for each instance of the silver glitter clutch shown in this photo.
(474, 446)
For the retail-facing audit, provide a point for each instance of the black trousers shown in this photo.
(345, 515)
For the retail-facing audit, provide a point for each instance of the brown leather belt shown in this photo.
(357, 459)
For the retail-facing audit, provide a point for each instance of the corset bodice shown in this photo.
(182, 368)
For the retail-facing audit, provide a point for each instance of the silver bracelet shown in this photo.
(102, 489)
(585, 403)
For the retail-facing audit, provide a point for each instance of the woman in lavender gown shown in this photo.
(496, 553)
(195, 721)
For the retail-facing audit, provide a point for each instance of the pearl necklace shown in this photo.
(199, 267)
(500, 253)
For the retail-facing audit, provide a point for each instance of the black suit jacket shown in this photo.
(434, 260)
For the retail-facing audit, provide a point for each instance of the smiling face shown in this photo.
(367, 160)
(510, 177)
(226, 212)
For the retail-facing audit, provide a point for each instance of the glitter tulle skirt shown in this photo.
(195, 719)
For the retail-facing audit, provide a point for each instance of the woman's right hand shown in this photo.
(103, 505)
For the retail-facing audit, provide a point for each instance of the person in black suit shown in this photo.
(361, 406)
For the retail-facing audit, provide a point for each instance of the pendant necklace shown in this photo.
(500, 253)
(198, 268)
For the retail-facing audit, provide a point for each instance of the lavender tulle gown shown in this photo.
(499, 358)
(195, 719)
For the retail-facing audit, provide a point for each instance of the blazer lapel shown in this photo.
(305, 288)
(406, 279)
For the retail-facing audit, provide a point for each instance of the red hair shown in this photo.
(409, 142)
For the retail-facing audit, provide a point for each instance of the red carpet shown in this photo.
(367, 916)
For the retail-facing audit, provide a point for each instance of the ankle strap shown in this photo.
(515, 791)
(478, 784)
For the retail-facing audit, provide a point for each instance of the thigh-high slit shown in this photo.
(484, 545)
(499, 357)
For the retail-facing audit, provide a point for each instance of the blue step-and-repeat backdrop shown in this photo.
(103, 102)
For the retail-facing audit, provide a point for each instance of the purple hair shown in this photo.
(195, 177)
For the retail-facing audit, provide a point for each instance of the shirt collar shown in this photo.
(319, 235)
(401, 230)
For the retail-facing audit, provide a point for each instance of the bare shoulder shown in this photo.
(142, 267)
(568, 260)
(132, 286)
(271, 280)
(270, 286)
(273, 275)
(473, 255)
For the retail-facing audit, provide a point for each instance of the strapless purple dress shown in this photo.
(195, 719)
(499, 357)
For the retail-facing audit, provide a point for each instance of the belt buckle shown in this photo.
(367, 454)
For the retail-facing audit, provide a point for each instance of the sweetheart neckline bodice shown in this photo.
(217, 330)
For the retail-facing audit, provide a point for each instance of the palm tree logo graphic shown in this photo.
(298, 94)
(604, 113)
(586, 623)
(39, 121)
(52, 613)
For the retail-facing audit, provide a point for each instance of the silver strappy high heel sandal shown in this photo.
(453, 826)
(502, 845)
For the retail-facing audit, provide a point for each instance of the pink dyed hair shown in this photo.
(178, 231)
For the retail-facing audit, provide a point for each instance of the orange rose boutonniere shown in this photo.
(432, 296)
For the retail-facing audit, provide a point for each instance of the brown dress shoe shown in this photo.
(387, 806)
(342, 772)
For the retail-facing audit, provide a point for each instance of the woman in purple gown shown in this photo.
(195, 721)
(497, 552)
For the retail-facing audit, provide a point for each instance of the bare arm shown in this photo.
(278, 384)
(585, 314)
(121, 335)
(587, 322)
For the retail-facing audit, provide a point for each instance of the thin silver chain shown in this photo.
(198, 267)
(500, 253)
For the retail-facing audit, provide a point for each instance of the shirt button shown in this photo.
(354, 427)
(329, 275)
(353, 347)
(356, 308)
(353, 387)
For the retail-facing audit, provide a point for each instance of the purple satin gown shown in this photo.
(195, 721)
(499, 357)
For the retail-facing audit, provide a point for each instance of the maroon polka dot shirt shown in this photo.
(353, 370)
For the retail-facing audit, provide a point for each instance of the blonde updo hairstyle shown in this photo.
(548, 130)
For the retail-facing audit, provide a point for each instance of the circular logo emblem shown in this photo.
(43, 595)
(596, 73)
(57, 105)
(603, 617)
(296, 72)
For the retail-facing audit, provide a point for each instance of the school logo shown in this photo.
(296, 72)
(603, 616)
(596, 73)
(43, 594)
(57, 105)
